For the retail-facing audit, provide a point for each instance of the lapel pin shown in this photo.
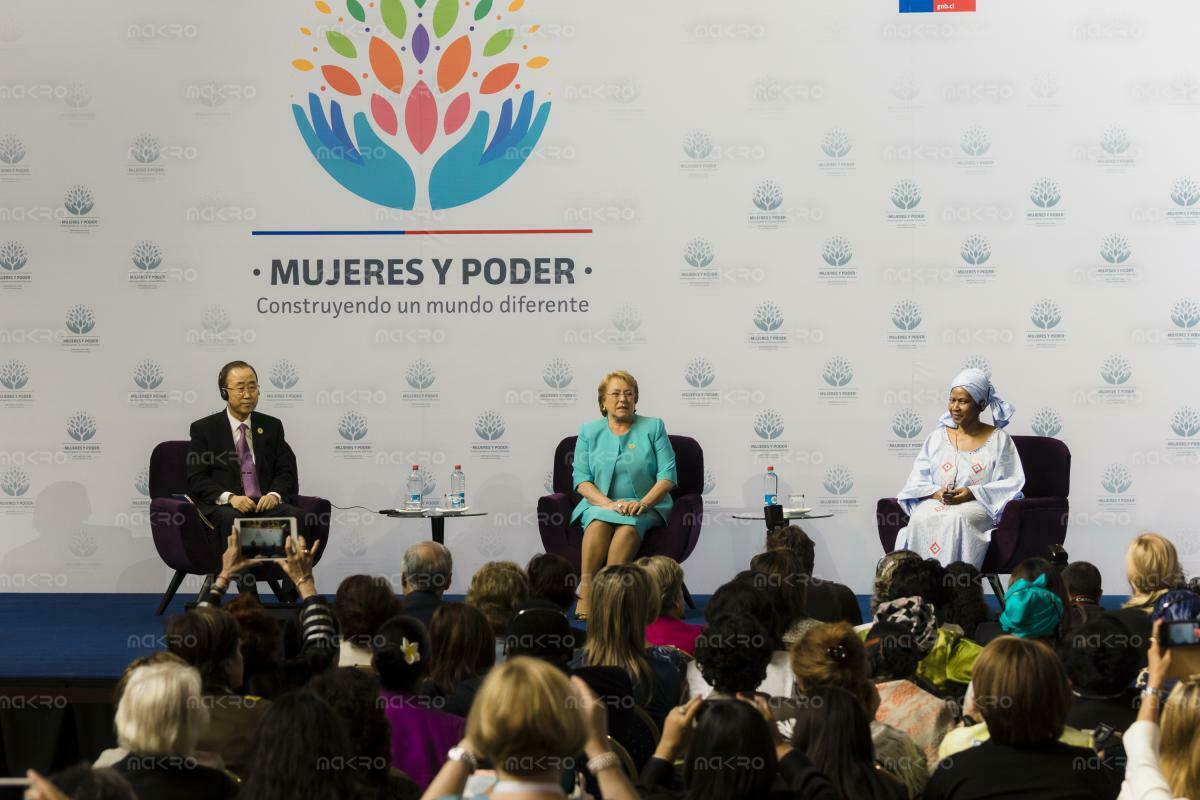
(632, 445)
(258, 430)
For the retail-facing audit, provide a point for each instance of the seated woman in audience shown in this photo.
(743, 598)
(82, 782)
(732, 654)
(463, 651)
(262, 647)
(825, 600)
(907, 702)
(496, 589)
(420, 733)
(159, 720)
(833, 730)
(625, 600)
(1163, 759)
(1022, 693)
(624, 470)
(540, 629)
(669, 629)
(783, 571)
(209, 640)
(1152, 569)
(1034, 606)
(946, 656)
(1101, 662)
(964, 476)
(302, 750)
(353, 697)
(833, 655)
(1084, 590)
(362, 604)
(528, 723)
(962, 602)
(730, 751)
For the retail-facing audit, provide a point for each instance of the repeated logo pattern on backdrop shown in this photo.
(802, 224)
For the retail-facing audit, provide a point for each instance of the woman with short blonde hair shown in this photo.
(496, 589)
(624, 471)
(1152, 569)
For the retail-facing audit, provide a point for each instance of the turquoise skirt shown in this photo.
(623, 489)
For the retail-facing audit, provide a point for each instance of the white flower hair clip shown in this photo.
(412, 652)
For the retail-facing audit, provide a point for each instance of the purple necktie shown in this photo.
(249, 476)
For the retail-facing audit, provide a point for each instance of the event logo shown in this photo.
(837, 372)
(698, 253)
(83, 544)
(12, 149)
(836, 143)
(1045, 314)
(144, 149)
(975, 249)
(627, 319)
(428, 482)
(1046, 422)
(699, 373)
(975, 141)
(14, 482)
(697, 144)
(1116, 370)
(1115, 248)
(283, 374)
(838, 480)
(352, 426)
(1045, 193)
(80, 319)
(906, 315)
(978, 362)
(548, 481)
(1185, 191)
(557, 374)
(906, 194)
(489, 426)
(768, 316)
(1115, 140)
(420, 374)
(836, 251)
(767, 195)
(1185, 312)
(710, 481)
(146, 255)
(906, 423)
(215, 320)
(148, 374)
(768, 424)
(13, 256)
(81, 426)
(78, 95)
(1116, 479)
(79, 200)
(1186, 422)
(14, 375)
(419, 70)
(354, 544)
(141, 482)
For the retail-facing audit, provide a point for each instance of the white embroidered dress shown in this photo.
(959, 532)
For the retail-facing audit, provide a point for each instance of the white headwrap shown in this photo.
(979, 386)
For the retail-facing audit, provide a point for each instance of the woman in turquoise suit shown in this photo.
(625, 469)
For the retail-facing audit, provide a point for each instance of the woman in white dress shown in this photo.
(965, 474)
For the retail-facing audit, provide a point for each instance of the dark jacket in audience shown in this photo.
(174, 778)
(457, 700)
(798, 779)
(1089, 712)
(1052, 771)
(832, 602)
(421, 605)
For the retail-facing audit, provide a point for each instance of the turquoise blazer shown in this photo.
(653, 459)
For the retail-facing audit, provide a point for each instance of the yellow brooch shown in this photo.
(631, 445)
(412, 652)
(258, 430)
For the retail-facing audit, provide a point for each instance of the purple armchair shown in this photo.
(183, 539)
(1028, 526)
(677, 540)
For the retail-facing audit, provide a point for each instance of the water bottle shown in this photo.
(415, 487)
(458, 488)
(770, 488)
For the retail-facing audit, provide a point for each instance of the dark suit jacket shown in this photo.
(213, 468)
(421, 605)
(829, 601)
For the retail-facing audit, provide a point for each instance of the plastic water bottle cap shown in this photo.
(770, 469)
(458, 466)
(415, 466)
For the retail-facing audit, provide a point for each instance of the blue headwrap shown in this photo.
(979, 386)
(1031, 611)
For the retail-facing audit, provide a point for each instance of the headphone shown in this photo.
(224, 373)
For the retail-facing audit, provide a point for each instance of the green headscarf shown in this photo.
(1031, 611)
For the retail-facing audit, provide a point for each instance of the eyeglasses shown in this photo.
(249, 388)
(617, 395)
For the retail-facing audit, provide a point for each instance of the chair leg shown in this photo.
(687, 597)
(204, 587)
(169, 594)
(993, 580)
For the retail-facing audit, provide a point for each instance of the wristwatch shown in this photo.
(465, 756)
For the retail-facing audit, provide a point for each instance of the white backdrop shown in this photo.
(805, 218)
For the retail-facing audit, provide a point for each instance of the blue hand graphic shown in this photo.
(472, 167)
(372, 170)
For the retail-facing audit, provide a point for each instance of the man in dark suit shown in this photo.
(239, 463)
(427, 571)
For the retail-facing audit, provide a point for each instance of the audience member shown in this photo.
(1084, 590)
(1038, 609)
(426, 573)
(782, 569)
(362, 604)
(833, 730)
(552, 578)
(496, 590)
(669, 629)
(262, 646)
(1101, 662)
(82, 782)
(1152, 569)
(463, 651)
(732, 654)
(540, 629)
(963, 604)
(826, 600)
